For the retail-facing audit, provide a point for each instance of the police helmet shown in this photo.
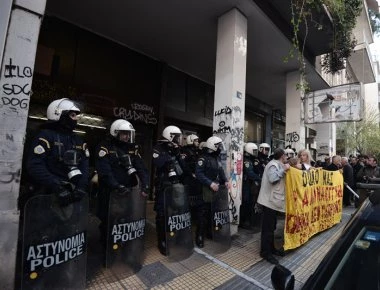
(191, 139)
(289, 153)
(214, 143)
(57, 107)
(124, 126)
(172, 134)
(251, 148)
(264, 147)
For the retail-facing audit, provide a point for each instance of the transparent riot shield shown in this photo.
(125, 233)
(54, 244)
(179, 241)
(220, 221)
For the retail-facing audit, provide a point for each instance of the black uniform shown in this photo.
(169, 169)
(190, 155)
(114, 159)
(263, 160)
(46, 165)
(249, 195)
(208, 170)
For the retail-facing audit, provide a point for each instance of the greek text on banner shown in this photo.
(313, 204)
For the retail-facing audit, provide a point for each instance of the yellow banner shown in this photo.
(313, 204)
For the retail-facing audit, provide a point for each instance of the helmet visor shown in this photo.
(220, 147)
(126, 136)
(177, 138)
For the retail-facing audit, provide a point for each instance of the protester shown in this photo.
(348, 177)
(305, 159)
(336, 163)
(272, 198)
(295, 162)
(370, 170)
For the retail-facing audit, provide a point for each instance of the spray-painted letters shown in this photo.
(16, 94)
(137, 112)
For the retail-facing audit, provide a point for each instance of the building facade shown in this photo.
(208, 67)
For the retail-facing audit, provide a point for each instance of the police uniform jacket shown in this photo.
(112, 169)
(45, 164)
(164, 157)
(189, 155)
(249, 174)
(209, 169)
(263, 161)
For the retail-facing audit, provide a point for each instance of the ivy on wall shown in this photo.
(343, 14)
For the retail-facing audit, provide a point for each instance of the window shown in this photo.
(253, 127)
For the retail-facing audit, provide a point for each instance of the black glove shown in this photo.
(78, 194)
(64, 196)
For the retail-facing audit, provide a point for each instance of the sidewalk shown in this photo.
(241, 267)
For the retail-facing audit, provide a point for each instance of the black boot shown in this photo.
(162, 246)
(161, 237)
(199, 235)
(199, 241)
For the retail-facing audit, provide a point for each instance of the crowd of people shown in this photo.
(362, 168)
(59, 157)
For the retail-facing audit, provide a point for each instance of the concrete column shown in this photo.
(16, 74)
(294, 127)
(229, 101)
(5, 13)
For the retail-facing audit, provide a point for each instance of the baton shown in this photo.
(350, 189)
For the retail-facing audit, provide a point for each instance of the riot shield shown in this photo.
(179, 241)
(54, 244)
(220, 221)
(125, 232)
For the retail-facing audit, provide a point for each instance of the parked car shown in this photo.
(354, 260)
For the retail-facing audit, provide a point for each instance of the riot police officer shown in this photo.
(289, 152)
(58, 162)
(263, 156)
(251, 182)
(58, 169)
(210, 173)
(118, 162)
(190, 154)
(169, 170)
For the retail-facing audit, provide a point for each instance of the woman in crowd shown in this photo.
(305, 159)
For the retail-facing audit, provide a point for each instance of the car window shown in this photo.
(360, 266)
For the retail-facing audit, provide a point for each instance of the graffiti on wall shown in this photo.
(229, 127)
(137, 113)
(15, 97)
(291, 138)
(16, 88)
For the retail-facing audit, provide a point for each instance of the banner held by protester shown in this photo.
(313, 204)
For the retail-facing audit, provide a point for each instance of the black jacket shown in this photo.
(45, 165)
(113, 161)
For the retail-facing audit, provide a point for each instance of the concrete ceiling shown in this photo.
(183, 34)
